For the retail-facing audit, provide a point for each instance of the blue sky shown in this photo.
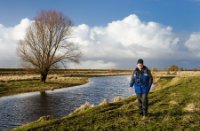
(182, 15)
(163, 32)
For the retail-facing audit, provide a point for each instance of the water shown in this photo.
(23, 108)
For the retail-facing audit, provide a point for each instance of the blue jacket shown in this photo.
(142, 80)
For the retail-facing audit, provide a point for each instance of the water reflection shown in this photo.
(23, 108)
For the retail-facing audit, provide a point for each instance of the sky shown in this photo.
(113, 33)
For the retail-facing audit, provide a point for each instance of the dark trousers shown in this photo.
(142, 103)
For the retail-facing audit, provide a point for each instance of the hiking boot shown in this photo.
(145, 114)
(141, 113)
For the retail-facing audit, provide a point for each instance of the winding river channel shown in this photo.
(23, 108)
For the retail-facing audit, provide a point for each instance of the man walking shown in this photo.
(142, 80)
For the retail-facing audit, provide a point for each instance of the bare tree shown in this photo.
(45, 45)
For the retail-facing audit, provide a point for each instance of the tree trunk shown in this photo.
(43, 77)
(43, 93)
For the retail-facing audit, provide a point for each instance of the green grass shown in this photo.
(21, 86)
(168, 108)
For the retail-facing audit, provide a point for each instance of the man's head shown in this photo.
(140, 63)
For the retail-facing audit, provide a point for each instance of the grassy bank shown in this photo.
(14, 85)
(174, 105)
(14, 81)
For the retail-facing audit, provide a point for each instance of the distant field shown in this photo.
(92, 72)
(69, 72)
(13, 81)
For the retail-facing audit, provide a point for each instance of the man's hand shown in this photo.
(130, 89)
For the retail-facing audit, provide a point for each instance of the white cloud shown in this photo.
(95, 64)
(193, 44)
(9, 37)
(129, 38)
(116, 45)
(19, 30)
